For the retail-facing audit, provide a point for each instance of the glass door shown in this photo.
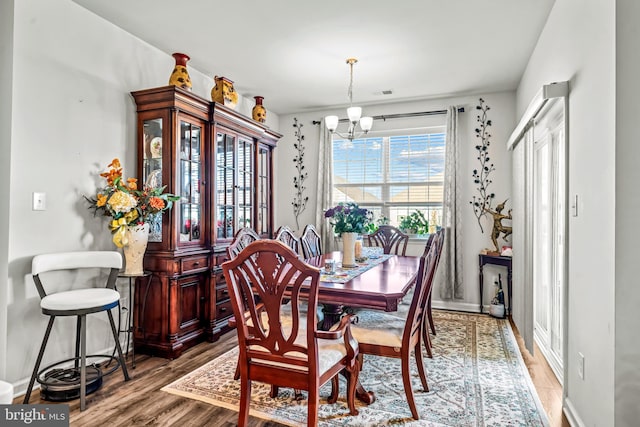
(225, 185)
(189, 183)
(152, 168)
(263, 191)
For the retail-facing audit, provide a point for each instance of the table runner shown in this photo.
(343, 275)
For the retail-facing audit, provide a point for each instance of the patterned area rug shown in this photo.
(476, 378)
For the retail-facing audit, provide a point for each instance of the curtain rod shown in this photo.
(401, 115)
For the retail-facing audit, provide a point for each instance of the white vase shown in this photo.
(134, 250)
(348, 249)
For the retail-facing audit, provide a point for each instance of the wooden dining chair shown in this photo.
(241, 240)
(310, 242)
(286, 235)
(390, 239)
(385, 334)
(294, 354)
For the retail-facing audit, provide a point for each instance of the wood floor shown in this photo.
(139, 402)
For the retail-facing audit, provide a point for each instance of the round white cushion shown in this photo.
(80, 299)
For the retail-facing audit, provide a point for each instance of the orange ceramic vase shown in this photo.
(180, 75)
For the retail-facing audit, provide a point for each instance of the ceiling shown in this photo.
(293, 52)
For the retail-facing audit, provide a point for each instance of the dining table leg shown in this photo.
(332, 314)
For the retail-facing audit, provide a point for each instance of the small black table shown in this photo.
(504, 261)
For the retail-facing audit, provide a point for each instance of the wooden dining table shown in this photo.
(380, 288)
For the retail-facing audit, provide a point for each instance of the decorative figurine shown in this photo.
(498, 228)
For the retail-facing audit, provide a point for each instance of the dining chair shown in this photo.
(76, 302)
(385, 334)
(391, 239)
(294, 354)
(286, 235)
(310, 242)
(241, 240)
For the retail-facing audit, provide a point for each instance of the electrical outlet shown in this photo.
(581, 365)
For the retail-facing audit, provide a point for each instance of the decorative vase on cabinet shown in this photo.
(180, 75)
(259, 113)
(224, 93)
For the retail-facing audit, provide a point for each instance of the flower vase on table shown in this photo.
(137, 238)
(348, 249)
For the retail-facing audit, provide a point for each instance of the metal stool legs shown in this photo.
(81, 355)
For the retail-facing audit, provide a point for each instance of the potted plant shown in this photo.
(415, 223)
(497, 303)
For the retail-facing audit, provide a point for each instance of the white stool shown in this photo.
(6, 393)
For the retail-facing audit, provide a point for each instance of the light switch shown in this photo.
(574, 205)
(39, 201)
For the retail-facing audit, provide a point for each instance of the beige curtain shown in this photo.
(450, 268)
(325, 188)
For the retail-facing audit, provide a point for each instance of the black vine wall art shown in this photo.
(299, 202)
(483, 200)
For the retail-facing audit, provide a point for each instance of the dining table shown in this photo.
(377, 282)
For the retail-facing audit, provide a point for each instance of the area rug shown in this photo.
(477, 378)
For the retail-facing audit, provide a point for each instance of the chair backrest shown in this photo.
(268, 271)
(288, 237)
(311, 242)
(390, 238)
(73, 261)
(424, 283)
(242, 239)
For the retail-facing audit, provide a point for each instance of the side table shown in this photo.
(129, 330)
(504, 261)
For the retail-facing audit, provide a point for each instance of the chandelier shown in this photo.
(354, 114)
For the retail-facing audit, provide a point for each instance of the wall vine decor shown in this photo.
(299, 202)
(483, 200)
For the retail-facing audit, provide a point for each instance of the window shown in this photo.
(392, 175)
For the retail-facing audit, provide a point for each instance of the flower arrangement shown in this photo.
(126, 204)
(348, 218)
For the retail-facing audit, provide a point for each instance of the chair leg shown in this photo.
(335, 390)
(427, 341)
(245, 397)
(312, 409)
(431, 324)
(38, 360)
(406, 380)
(420, 363)
(118, 347)
(352, 385)
(83, 361)
(77, 359)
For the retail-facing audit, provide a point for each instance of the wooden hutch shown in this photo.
(220, 163)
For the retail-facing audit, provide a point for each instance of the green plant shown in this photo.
(348, 218)
(373, 226)
(415, 222)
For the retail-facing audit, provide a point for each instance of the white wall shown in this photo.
(503, 116)
(72, 113)
(578, 44)
(627, 293)
(6, 73)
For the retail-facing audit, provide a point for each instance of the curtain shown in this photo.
(450, 268)
(325, 187)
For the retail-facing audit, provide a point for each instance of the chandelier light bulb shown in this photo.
(331, 122)
(366, 123)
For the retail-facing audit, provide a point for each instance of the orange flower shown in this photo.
(156, 203)
(101, 200)
(115, 163)
(132, 184)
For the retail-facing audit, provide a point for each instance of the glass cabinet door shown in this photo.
(263, 191)
(245, 183)
(189, 182)
(225, 185)
(152, 168)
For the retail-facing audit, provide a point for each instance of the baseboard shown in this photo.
(458, 306)
(571, 414)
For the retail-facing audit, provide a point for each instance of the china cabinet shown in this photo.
(220, 164)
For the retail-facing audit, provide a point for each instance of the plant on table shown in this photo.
(348, 218)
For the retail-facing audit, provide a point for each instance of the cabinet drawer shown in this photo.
(223, 310)
(222, 293)
(194, 264)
